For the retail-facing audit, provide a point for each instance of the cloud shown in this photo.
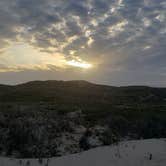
(124, 34)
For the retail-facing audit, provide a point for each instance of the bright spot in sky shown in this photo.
(80, 64)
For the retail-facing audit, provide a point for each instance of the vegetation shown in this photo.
(35, 117)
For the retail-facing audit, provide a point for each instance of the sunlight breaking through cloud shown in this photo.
(79, 63)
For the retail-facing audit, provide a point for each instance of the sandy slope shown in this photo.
(129, 153)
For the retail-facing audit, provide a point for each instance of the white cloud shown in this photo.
(90, 41)
(117, 28)
(146, 22)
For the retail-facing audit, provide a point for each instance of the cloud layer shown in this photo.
(123, 36)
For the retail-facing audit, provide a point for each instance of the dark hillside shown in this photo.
(80, 92)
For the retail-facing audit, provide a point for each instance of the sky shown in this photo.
(115, 42)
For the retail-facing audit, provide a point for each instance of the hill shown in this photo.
(56, 118)
(80, 92)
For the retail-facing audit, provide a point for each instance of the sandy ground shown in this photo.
(129, 153)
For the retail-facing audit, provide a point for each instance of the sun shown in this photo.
(79, 63)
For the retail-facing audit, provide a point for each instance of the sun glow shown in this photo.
(80, 64)
(21, 56)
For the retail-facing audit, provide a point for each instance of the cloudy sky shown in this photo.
(116, 42)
